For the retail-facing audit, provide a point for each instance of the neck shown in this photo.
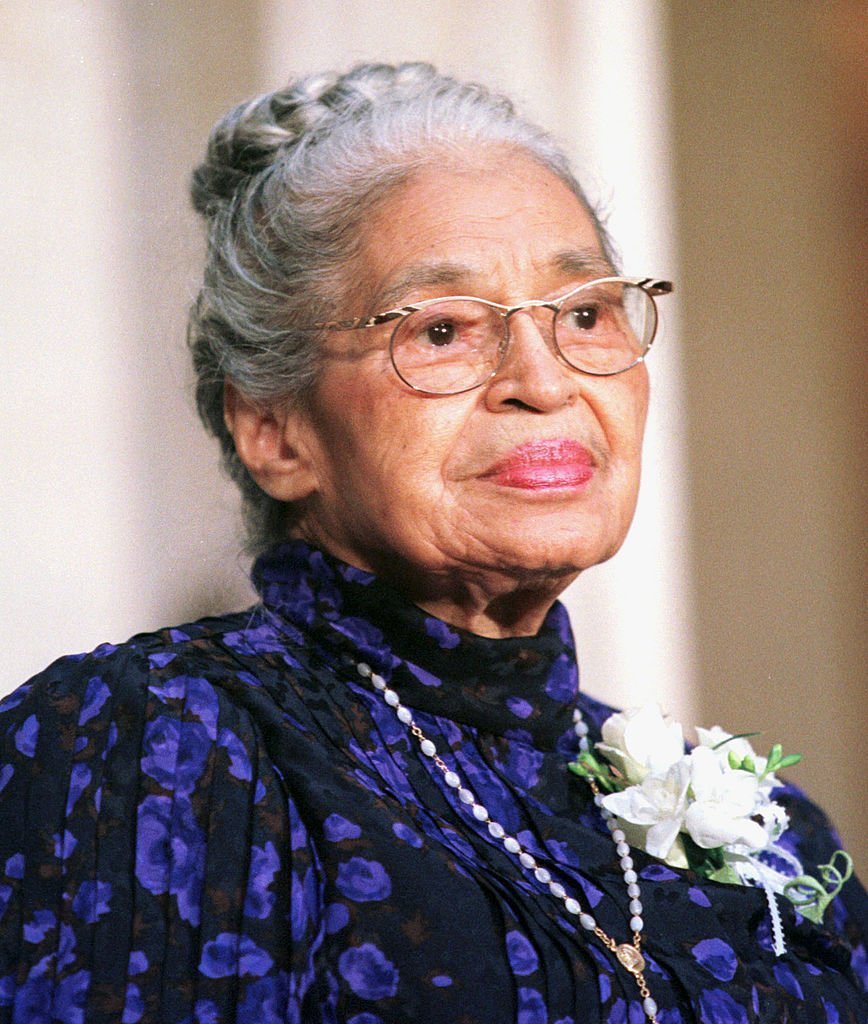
(495, 603)
(514, 613)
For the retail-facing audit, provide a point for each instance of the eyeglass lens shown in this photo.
(447, 347)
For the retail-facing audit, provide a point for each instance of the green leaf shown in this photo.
(738, 736)
(586, 766)
(704, 862)
(811, 896)
(725, 874)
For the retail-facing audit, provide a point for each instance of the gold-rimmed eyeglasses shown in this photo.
(446, 346)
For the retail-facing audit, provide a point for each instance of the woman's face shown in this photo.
(498, 497)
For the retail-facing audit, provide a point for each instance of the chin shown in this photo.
(554, 562)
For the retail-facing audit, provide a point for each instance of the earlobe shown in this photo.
(270, 442)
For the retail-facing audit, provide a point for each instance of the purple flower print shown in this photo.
(79, 780)
(717, 958)
(698, 896)
(92, 900)
(230, 954)
(264, 864)
(42, 922)
(719, 1006)
(262, 639)
(563, 681)
(264, 1000)
(445, 636)
(69, 997)
(206, 1012)
(406, 833)
(134, 1005)
(138, 962)
(788, 981)
(15, 866)
(425, 678)
(239, 760)
(363, 880)
(519, 707)
(337, 916)
(175, 753)
(95, 696)
(27, 736)
(531, 1008)
(336, 828)
(523, 764)
(33, 998)
(66, 947)
(522, 956)
(170, 852)
(368, 972)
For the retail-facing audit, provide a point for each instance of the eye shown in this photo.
(585, 317)
(440, 333)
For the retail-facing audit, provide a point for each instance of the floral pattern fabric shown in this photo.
(223, 822)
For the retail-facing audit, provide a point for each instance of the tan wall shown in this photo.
(769, 172)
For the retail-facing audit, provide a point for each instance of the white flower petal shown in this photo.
(711, 826)
(632, 771)
(661, 837)
(632, 805)
(652, 741)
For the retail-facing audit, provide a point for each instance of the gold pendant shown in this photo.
(630, 958)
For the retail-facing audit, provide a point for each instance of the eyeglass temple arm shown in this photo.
(654, 286)
(362, 321)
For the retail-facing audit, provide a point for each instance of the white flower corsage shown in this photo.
(710, 809)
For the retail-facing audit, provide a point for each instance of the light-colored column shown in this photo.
(67, 553)
(115, 518)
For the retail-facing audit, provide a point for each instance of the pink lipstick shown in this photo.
(540, 465)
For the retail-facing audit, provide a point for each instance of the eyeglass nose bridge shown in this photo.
(507, 312)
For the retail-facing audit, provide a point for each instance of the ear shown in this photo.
(270, 443)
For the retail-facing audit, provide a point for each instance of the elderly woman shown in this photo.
(351, 802)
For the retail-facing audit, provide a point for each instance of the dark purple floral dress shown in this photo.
(222, 822)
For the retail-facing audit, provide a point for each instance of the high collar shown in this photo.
(522, 687)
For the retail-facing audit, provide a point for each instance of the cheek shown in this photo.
(396, 442)
(620, 405)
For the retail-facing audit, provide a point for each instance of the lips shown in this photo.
(539, 465)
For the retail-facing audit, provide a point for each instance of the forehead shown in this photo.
(498, 225)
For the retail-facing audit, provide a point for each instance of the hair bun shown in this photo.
(253, 135)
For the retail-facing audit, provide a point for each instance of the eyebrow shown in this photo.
(575, 262)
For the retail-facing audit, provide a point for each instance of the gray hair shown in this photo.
(288, 180)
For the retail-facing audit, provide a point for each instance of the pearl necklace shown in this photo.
(628, 954)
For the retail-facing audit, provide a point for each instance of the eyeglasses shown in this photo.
(447, 346)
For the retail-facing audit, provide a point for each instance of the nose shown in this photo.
(532, 374)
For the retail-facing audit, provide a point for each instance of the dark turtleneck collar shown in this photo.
(515, 686)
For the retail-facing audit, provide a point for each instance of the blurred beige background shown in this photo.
(727, 143)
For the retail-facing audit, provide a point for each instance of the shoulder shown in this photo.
(144, 817)
(165, 714)
(207, 665)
